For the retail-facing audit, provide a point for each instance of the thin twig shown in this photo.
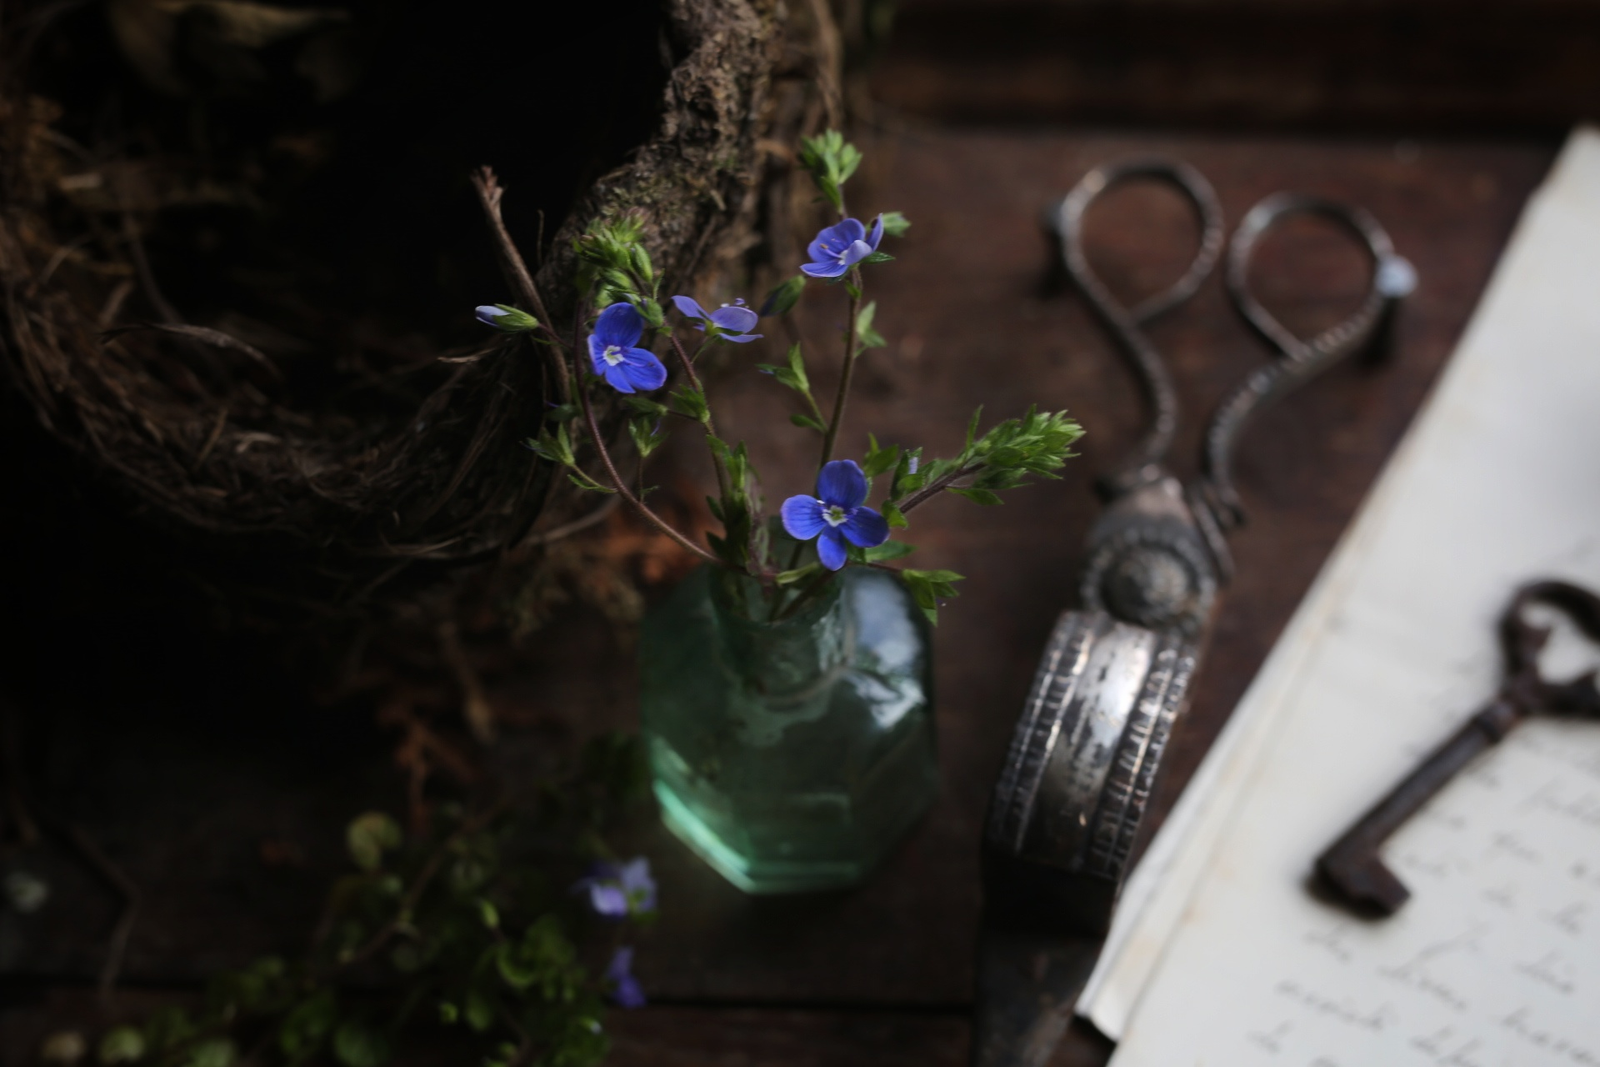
(622, 487)
(567, 529)
(489, 194)
(474, 704)
(117, 947)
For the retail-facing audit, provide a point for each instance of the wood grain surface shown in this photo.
(230, 823)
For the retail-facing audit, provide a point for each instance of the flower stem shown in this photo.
(933, 488)
(829, 438)
(723, 483)
(807, 591)
(622, 487)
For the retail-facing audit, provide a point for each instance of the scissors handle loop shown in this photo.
(1299, 360)
(1125, 323)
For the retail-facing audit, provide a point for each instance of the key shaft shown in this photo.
(1352, 866)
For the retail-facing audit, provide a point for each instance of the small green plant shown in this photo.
(477, 924)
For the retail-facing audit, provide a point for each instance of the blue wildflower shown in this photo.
(612, 350)
(625, 989)
(731, 322)
(836, 515)
(838, 248)
(616, 891)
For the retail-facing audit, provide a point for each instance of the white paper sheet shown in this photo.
(1495, 962)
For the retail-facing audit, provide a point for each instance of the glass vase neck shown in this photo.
(787, 659)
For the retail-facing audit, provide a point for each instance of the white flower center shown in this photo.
(612, 355)
(834, 515)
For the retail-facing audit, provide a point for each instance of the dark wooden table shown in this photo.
(883, 975)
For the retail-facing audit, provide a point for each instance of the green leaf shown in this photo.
(865, 316)
(586, 483)
(895, 224)
(979, 496)
(449, 1013)
(651, 312)
(368, 836)
(212, 1052)
(356, 1044)
(640, 261)
(641, 405)
(489, 914)
(972, 428)
(479, 1012)
(866, 336)
(889, 550)
(784, 296)
(689, 402)
(798, 574)
(896, 518)
(644, 435)
(807, 422)
(304, 1028)
(122, 1044)
(878, 459)
(852, 289)
(928, 588)
(878, 257)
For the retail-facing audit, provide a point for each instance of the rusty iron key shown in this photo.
(1351, 865)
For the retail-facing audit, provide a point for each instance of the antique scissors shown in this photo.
(1115, 673)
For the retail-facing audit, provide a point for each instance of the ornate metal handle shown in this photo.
(1299, 360)
(1124, 322)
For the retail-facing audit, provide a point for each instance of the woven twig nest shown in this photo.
(348, 437)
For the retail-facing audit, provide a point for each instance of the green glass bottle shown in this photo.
(791, 754)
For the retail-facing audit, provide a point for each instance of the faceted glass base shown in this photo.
(789, 778)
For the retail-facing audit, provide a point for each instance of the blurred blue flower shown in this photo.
(731, 322)
(612, 350)
(625, 989)
(836, 515)
(839, 247)
(617, 890)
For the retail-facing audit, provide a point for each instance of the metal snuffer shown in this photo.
(1116, 672)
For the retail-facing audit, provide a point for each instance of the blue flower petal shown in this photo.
(802, 517)
(865, 528)
(832, 240)
(617, 378)
(690, 307)
(488, 314)
(597, 357)
(608, 901)
(876, 237)
(620, 325)
(842, 484)
(856, 253)
(735, 319)
(625, 989)
(643, 369)
(743, 338)
(831, 549)
(829, 269)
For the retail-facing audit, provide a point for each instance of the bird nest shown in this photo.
(239, 249)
